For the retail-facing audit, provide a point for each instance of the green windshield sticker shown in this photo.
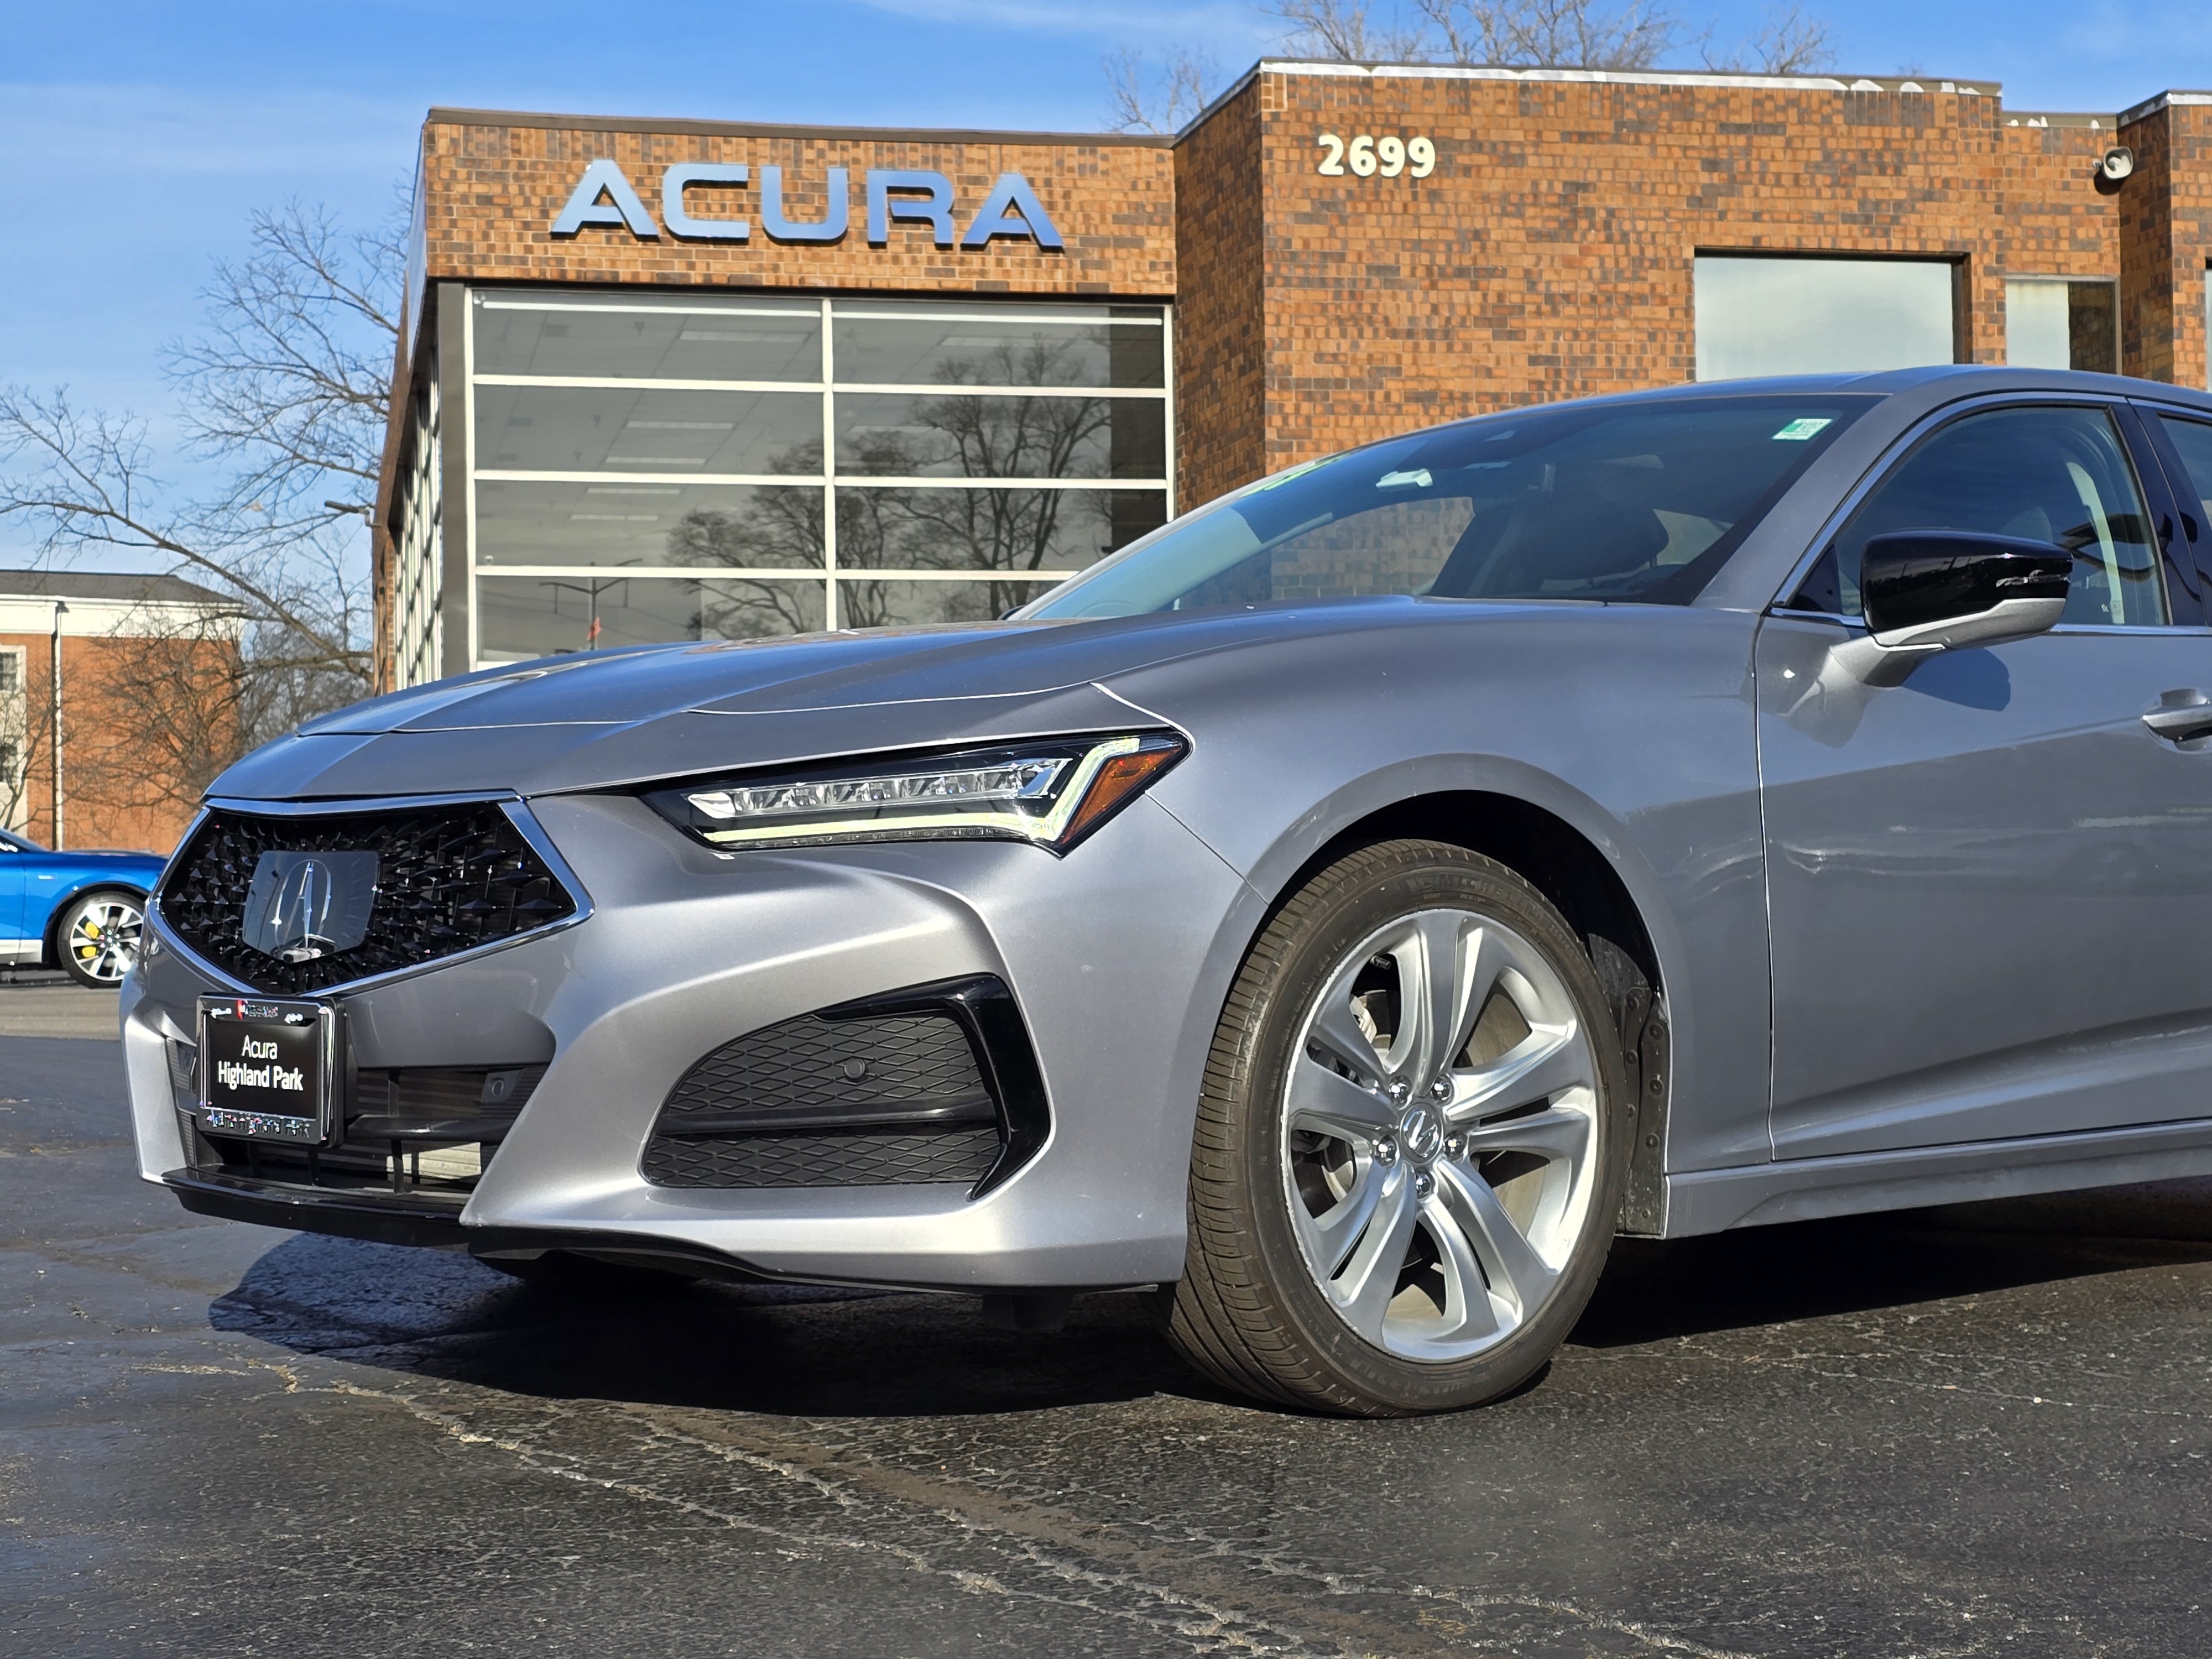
(1801, 428)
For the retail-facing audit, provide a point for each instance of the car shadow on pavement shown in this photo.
(783, 1349)
(817, 1352)
(1655, 1290)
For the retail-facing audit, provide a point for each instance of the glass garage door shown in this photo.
(649, 467)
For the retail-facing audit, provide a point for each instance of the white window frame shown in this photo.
(832, 575)
(15, 728)
(418, 553)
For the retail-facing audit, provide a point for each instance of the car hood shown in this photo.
(620, 717)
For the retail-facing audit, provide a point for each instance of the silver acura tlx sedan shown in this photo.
(1336, 915)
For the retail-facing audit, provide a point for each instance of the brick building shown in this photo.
(146, 665)
(668, 379)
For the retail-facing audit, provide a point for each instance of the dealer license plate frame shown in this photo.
(310, 1034)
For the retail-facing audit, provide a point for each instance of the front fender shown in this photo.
(1632, 725)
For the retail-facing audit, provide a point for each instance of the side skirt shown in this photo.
(1804, 1189)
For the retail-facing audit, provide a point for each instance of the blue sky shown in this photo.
(141, 135)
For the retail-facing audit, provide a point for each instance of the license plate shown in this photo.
(268, 1070)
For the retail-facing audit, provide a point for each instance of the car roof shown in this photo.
(1945, 380)
(1923, 388)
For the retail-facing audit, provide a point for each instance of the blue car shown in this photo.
(78, 911)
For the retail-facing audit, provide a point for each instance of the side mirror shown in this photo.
(1931, 590)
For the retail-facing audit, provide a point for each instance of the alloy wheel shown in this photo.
(100, 942)
(1440, 1136)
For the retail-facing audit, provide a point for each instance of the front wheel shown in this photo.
(1410, 1145)
(97, 939)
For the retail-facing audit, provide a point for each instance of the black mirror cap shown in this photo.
(1911, 578)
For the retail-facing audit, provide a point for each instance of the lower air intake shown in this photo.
(824, 1157)
(934, 1085)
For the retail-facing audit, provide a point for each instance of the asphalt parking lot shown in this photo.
(1979, 1432)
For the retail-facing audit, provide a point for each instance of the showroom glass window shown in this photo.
(2056, 323)
(649, 467)
(1771, 314)
(2059, 475)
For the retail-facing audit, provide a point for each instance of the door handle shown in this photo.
(2183, 718)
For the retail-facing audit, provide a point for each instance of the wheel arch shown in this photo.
(1590, 875)
(1548, 851)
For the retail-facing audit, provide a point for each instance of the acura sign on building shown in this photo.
(915, 195)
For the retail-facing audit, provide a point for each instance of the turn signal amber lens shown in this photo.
(1119, 779)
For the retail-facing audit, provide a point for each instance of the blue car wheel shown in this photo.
(97, 939)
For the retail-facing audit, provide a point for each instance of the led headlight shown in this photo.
(1053, 792)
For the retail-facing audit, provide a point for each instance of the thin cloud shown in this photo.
(157, 129)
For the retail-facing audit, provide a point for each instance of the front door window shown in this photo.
(2058, 474)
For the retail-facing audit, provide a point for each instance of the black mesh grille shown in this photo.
(448, 879)
(872, 1101)
(824, 1157)
(844, 1067)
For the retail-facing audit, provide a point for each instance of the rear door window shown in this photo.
(2193, 440)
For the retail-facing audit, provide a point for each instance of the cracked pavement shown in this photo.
(1979, 1432)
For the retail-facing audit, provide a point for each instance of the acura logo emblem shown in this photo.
(300, 912)
(1423, 1135)
(304, 905)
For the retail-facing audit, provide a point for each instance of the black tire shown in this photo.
(99, 961)
(565, 1271)
(1247, 1312)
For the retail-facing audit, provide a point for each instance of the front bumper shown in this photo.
(1118, 955)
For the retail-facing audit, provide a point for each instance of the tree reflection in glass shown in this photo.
(897, 527)
(780, 530)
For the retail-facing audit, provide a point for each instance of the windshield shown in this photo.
(1635, 501)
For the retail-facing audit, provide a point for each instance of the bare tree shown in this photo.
(1636, 34)
(168, 713)
(290, 385)
(294, 374)
(1788, 42)
(1141, 98)
(1554, 33)
(1347, 30)
(82, 479)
